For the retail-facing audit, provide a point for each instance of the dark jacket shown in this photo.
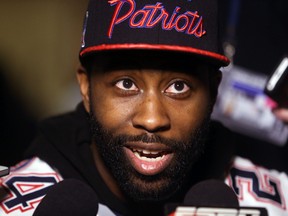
(64, 143)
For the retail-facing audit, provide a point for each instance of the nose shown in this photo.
(151, 114)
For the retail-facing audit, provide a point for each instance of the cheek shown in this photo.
(113, 113)
(189, 115)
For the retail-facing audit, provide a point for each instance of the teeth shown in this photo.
(143, 155)
(137, 154)
(149, 152)
(146, 151)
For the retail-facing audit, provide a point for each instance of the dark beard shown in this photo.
(158, 187)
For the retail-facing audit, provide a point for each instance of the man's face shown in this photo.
(149, 125)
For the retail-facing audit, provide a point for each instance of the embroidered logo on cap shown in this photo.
(150, 15)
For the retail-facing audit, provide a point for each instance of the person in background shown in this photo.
(142, 135)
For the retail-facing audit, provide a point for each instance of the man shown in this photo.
(142, 135)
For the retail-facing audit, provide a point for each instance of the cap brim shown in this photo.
(212, 57)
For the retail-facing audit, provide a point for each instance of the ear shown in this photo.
(83, 81)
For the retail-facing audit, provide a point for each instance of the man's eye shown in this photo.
(177, 87)
(126, 84)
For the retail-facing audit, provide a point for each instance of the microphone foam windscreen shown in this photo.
(69, 197)
(212, 193)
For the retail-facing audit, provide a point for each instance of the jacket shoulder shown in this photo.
(257, 186)
(23, 189)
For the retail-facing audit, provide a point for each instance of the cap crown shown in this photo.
(175, 25)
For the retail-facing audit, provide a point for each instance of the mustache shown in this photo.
(102, 134)
(99, 132)
(172, 144)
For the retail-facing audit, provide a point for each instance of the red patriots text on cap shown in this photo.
(189, 22)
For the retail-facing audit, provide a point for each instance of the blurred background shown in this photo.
(39, 44)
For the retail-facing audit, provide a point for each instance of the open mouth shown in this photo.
(148, 162)
(149, 155)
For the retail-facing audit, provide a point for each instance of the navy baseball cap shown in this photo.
(176, 26)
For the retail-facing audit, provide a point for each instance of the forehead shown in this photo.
(163, 61)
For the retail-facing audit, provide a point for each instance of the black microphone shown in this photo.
(69, 197)
(211, 197)
(212, 193)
